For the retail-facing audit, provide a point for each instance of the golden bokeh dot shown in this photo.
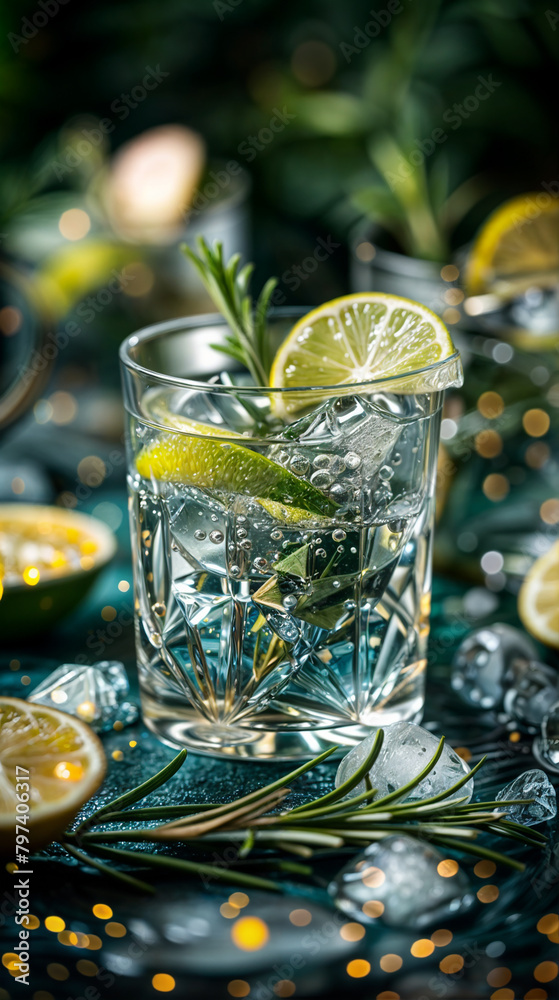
(139, 279)
(117, 755)
(485, 869)
(313, 63)
(92, 470)
(390, 963)
(10, 320)
(38, 995)
(451, 964)
(454, 296)
(388, 995)
(499, 976)
(537, 454)
(495, 486)
(18, 485)
(487, 893)
(132, 743)
(373, 877)
(25, 679)
(55, 924)
(114, 929)
(422, 948)
(86, 967)
(441, 937)
(352, 932)
(163, 983)
(464, 753)
(548, 924)
(285, 988)
(365, 251)
(536, 994)
(94, 943)
(124, 586)
(229, 910)
(373, 908)
(515, 736)
(300, 918)
(549, 511)
(57, 971)
(450, 272)
(64, 407)
(536, 422)
(358, 968)
(490, 405)
(238, 988)
(14, 664)
(250, 933)
(545, 972)
(74, 224)
(488, 444)
(447, 868)
(451, 315)
(239, 899)
(102, 911)
(32, 922)
(503, 994)
(108, 613)
(554, 936)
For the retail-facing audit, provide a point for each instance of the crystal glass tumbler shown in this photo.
(282, 553)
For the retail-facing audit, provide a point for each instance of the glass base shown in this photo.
(238, 743)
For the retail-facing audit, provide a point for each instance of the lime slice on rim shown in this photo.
(209, 464)
(360, 338)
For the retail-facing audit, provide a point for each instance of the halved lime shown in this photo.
(213, 465)
(359, 338)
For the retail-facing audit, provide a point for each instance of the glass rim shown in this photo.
(186, 323)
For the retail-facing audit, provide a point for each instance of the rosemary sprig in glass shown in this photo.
(227, 285)
(335, 820)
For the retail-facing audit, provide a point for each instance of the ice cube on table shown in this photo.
(535, 686)
(406, 750)
(535, 785)
(97, 693)
(482, 666)
(397, 881)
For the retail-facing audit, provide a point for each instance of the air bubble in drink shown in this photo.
(321, 462)
(289, 601)
(159, 609)
(338, 534)
(216, 536)
(386, 472)
(276, 534)
(321, 553)
(234, 570)
(352, 460)
(299, 465)
(199, 535)
(241, 533)
(260, 563)
(321, 479)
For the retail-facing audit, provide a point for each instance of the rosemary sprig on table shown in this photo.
(335, 820)
(227, 286)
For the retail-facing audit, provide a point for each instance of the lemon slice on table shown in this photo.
(58, 762)
(538, 600)
(518, 247)
(360, 338)
(209, 464)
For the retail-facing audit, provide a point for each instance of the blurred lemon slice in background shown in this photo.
(538, 600)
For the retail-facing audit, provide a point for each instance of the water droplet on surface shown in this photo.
(245, 545)
(289, 601)
(353, 550)
(336, 584)
(299, 465)
(199, 534)
(216, 537)
(214, 517)
(337, 465)
(338, 534)
(159, 609)
(321, 462)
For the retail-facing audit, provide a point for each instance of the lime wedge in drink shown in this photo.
(360, 338)
(209, 464)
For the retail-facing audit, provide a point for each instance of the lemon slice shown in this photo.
(517, 247)
(538, 600)
(360, 338)
(65, 764)
(209, 464)
(290, 515)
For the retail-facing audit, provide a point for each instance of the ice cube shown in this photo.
(398, 881)
(98, 694)
(482, 667)
(406, 750)
(534, 689)
(535, 785)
